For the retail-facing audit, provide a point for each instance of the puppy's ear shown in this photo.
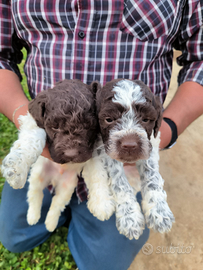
(37, 108)
(158, 107)
(94, 87)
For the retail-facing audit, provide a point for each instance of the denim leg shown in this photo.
(15, 233)
(97, 244)
(94, 244)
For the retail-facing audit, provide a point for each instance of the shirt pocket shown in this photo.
(150, 19)
(42, 16)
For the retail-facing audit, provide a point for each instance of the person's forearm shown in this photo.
(12, 97)
(185, 107)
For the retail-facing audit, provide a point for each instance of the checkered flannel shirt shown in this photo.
(102, 40)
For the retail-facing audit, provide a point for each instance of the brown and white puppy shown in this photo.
(65, 116)
(130, 116)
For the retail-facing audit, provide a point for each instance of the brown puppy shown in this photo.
(67, 114)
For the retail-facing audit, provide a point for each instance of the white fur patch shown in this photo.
(110, 191)
(154, 204)
(100, 198)
(64, 185)
(126, 92)
(24, 152)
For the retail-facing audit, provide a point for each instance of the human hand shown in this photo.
(46, 153)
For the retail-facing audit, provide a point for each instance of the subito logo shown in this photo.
(147, 249)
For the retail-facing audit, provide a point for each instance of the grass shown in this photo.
(53, 254)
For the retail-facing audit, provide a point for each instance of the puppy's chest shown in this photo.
(52, 172)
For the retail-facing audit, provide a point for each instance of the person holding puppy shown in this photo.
(96, 40)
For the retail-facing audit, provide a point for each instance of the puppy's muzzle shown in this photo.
(129, 148)
(65, 154)
(71, 153)
(78, 156)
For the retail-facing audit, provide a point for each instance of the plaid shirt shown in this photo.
(103, 39)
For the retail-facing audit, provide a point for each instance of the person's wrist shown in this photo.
(165, 135)
(169, 133)
(174, 132)
(19, 110)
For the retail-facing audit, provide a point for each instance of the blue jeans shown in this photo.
(94, 244)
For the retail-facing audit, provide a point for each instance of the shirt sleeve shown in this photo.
(8, 56)
(190, 42)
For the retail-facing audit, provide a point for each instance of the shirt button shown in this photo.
(81, 34)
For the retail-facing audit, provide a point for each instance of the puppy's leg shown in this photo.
(64, 189)
(129, 218)
(24, 152)
(156, 210)
(100, 199)
(35, 192)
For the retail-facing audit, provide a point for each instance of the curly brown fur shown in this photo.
(67, 113)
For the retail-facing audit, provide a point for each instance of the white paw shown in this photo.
(33, 216)
(101, 208)
(51, 221)
(14, 171)
(158, 217)
(130, 220)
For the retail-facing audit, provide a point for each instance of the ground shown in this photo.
(182, 169)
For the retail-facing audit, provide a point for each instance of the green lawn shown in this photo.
(54, 254)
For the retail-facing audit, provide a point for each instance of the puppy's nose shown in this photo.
(128, 143)
(71, 152)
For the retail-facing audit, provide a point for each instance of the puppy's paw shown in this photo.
(130, 220)
(158, 217)
(51, 225)
(14, 171)
(51, 221)
(33, 216)
(101, 208)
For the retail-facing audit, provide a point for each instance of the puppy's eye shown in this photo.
(108, 120)
(145, 120)
(55, 128)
